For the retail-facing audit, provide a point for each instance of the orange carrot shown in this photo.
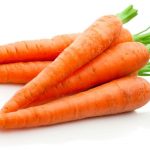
(125, 36)
(92, 42)
(114, 97)
(46, 49)
(21, 72)
(114, 63)
(25, 71)
(49, 49)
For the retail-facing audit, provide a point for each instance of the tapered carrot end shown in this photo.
(2, 122)
(9, 107)
(1, 112)
(4, 110)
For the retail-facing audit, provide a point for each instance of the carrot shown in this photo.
(25, 71)
(114, 63)
(114, 97)
(21, 72)
(48, 49)
(125, 36)
(45, 49)
(92, 42)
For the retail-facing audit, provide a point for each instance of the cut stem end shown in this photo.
(127, 14)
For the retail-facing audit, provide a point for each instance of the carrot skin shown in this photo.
(35, 50)
(45, 49)
(116, 62)
(102, 33)
(115, 97)
(21, 72)
(125, 36)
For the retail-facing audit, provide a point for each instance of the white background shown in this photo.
(35, 19)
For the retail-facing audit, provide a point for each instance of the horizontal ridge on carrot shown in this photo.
(116, 62)
(114, 97)
(91, 43)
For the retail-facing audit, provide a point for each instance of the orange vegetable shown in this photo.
(86, 47)
(21, 72)
(25, 71)
(91, 43)
(116, 62)
(125, 36)
(111, 98)
(46, 49)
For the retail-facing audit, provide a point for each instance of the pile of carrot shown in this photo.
(76, 76)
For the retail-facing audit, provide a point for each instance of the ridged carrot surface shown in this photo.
(35, 50)
(91, 43)
(114, 63)
(122, 95)
(48, 49)
(21, 72)
(44, 49)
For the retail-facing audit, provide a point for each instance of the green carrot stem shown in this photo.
(143, 31)
(127, 14)
(145, 71)
(148, 47)
(143, 38)
(143, 74)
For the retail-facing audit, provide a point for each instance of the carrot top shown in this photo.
(148, 46)
(127, 14)
(145, 71)
(143, 37)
